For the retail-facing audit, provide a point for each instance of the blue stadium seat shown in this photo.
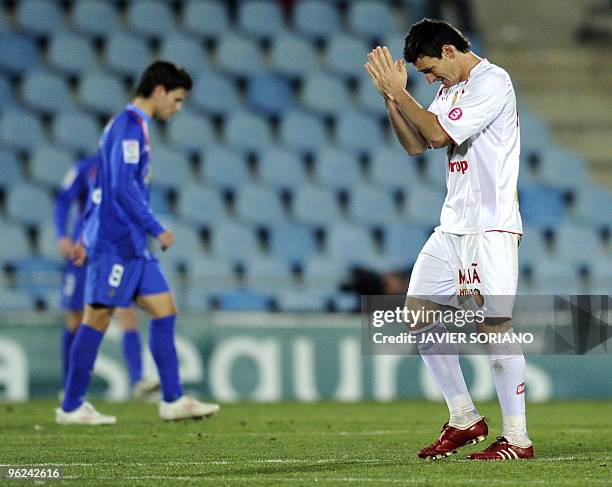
(325, 94)
(302, 132)
(535, 133)
(49, 164)
(346, 302)
(39, 17)
(200, 205)
(562, 168)
(46, 92)
(324, 274)
(239, 56)
(150, 18)
(183, 51)
(292, 242)
(94, 17)
(29, 204)
(38, 275)
(368, 97)
(552, 277)
(424, 205)
(293, 56)
(71, 53)
(76, 130)
(593, 205)
(20, 130)
(210, 274)
(224, 168)
(215, 93)
(11, 171)
(259, 205)
(234, 241)
(350, 244)
(600, 273)
(404, 242)
(46, 242)
(262, 19)
(18, 53)
(243, 300)
(301, 301)
(372, 206)
(206, 18)
(392, 169)
(337, 169)
(316, 206)
(316, 18)
(158, 200)
(423, 91)
(395, 43)
(14, 243)
(358, 132)
(269, 94)
(370, 18)
(541, 205)
(190, 132)
(281, 169)
(187, 246)
(267, 275)
(435, 167)
(247, 132)
(575, 243)
(170, 168)
(532, 246)
(127, 54)
(7, 97)
(101, 92)
(15, 300)
(346, 55)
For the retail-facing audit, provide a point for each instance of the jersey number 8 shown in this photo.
(115, 276)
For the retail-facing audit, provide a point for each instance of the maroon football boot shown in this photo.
(452, 438)
(502, 450)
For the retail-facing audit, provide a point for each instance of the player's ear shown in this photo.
(448, 51)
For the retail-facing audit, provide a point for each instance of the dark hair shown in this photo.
(427, 37)
(163, 73)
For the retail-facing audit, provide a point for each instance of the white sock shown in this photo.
(442, 361)
(508, 367)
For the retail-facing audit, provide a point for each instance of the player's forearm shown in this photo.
(423, 120)
(406, 133)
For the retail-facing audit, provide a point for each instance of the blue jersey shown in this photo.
(74, 190)
(119, 217)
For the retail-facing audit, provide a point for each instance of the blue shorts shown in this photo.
(114, 281)
(73, 287)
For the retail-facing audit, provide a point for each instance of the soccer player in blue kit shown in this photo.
(121, 269)
(74, 192)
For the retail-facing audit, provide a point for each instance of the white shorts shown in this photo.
(452, 266)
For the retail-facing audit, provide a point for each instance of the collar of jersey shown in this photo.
(138, 111)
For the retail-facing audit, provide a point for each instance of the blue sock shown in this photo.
(82, 357)
(132, 350)
(161, 342)
(67, 338)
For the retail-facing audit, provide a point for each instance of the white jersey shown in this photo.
(482, 164)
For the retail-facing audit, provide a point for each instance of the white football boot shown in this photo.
(145, 388)
(186, 407)
(85, 414)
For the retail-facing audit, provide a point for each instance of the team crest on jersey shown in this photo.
(455, 114)
(131, 151)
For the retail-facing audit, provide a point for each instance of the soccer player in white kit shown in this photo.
(474, 251)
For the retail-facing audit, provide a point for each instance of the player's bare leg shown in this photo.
(465, 425)
(174, 405)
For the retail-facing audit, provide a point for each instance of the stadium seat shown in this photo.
(7, 97)
(345, 55)
(301, 301)
(150, 18)
(325, 94)
(70, 53)
(247, 132)
(11, 171)
(201, 205)
(435, 169)
(210, 274)
(243, 300)
(215, 94)
(371, 206)
(402, 243)
(101, 92)
(269, 94)
(346, 302)
(94, 17)
(259, 205)
(562, 168)
(184, 51)
(187, 246)
(395, 43)
(541, 205)
(600, 274)
(424, 205)
(267, 275)
(315, 205)
(39, 17)
(293, 56)
(423, 91)
(18, 53)
(20, 130)
(66, 126)
(158, 200)
(532, 246)
(127, 54)
(593, 205)
(391, 169)
(316, 18)
(535, 133)
(206, 18)
(368, 98)
(281, 169)
(239, 56)
(292, 242)
(28, 204)
(190, 132)
(324, 274)
(15, 300)
(38, 275)
(45, 92)
(14, 243)
(46, 242)
(262, 19)
(337, 169)
(170, 168)
(49, 164)
(223, 168)
(358, 132)
(575, 244)
(350, 244)
(370, 18)
(302, 132)
(233, 241)
(552, 277)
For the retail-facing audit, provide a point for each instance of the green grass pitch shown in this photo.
(302, 444)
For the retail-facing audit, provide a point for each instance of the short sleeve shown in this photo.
(435, 106)
(478, 106)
